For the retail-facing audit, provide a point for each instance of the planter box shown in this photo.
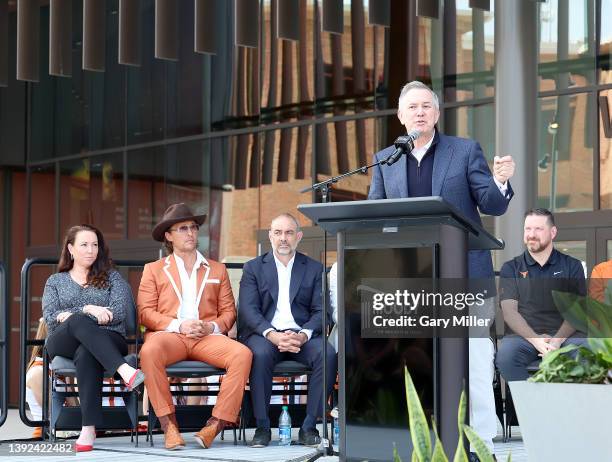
(564, 421)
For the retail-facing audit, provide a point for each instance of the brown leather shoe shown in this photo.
(172, 436)
(208, 433)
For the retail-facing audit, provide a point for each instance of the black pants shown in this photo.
(266, 356)
(93, 350)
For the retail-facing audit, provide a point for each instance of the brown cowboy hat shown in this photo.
(175, 214)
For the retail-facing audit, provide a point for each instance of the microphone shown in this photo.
(403, 145)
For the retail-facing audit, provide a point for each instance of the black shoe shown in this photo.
(262, 437)
(309, 437)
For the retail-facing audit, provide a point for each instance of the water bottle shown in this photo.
(336, 431)
(284, 428)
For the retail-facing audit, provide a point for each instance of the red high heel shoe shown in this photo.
(83, 447)
(135, 380)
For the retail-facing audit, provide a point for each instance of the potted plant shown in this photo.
(564, 410)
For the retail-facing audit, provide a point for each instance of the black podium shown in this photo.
(396, 238)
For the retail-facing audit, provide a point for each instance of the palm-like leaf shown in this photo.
(460, 454)
(482, 451)
(419, 430)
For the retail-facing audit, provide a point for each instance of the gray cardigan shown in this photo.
(62, 293)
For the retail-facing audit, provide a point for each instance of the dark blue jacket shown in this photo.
(461, 177)
(259, 295)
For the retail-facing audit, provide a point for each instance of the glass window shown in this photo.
(146, 87)
(576, 249)
(565, 153)
(605, 149)
(91, 191)
(161, 176)
(469, 70)
(146, 179)
(567, 38)
(236, 199)
(84, 112)
(292, 167)
(429, 69)
(287, 66)
(605, 43)
(474, 122)
(345, 146)
(42, 206)
(346, 63)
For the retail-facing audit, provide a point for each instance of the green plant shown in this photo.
(423, 451)
(592, 364)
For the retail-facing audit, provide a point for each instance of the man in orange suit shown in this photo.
(185, 302)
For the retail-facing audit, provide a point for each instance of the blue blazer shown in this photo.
(461, 176)
(259, 295)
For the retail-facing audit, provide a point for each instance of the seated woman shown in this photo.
(85, 306)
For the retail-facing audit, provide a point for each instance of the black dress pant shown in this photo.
(94, 350)
(266, 356)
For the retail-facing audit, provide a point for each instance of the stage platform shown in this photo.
(115, 448)
(119, 448)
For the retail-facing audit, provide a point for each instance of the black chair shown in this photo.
(189, 417)
(114, 417)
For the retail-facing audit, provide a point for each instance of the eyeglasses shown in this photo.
(184, 229)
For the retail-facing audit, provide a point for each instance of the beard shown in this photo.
(284, 250)
(536, 245)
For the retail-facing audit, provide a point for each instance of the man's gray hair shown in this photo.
(414, 85)
(298, 228)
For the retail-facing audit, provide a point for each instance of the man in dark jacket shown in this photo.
(280, 309)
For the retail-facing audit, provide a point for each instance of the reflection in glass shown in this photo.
(605, 42)
(605, 148)
(290, 168)
(91, 191)
(158, 177)
(374, 366)
(86, 110)
(42, 205)
(346, 62)
(474, 122)
(567, 36)
(350, 145)
(146, 171)
(576, 249)
(430, 53)
(469, 52)
(565, 153)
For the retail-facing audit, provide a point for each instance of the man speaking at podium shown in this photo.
(455, 169)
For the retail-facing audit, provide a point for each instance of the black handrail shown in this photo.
(4, 343)
(26, 342)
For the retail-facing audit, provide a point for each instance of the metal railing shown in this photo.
(4, 343)
(26, 342)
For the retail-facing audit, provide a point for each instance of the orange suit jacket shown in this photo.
(160, 295)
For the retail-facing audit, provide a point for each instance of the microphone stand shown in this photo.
(325, 188)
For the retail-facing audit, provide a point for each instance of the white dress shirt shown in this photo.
(189, 288)
(283, 318)
(419, 153)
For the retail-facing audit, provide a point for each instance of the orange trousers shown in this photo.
(161, 349)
